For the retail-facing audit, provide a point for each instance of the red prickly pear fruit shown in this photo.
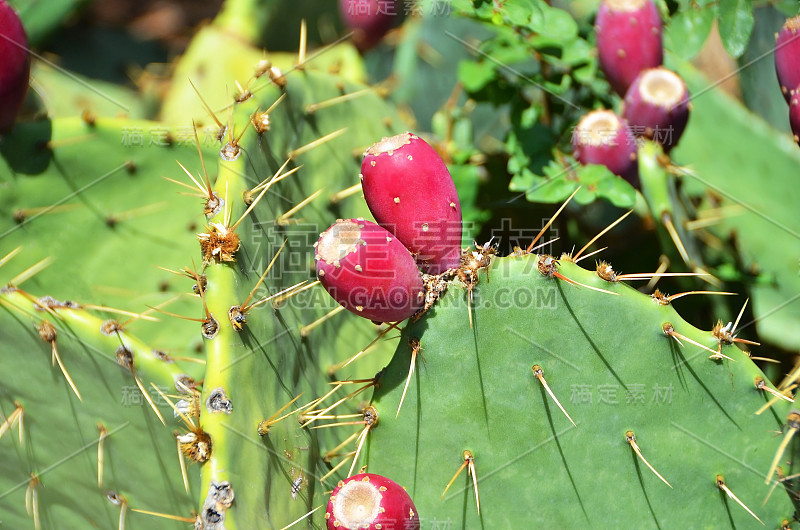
(370, 501)
(787, 56)
(410, 192)
(628, 40)
(657, 106)
(602, 137)
(794, 114)
(15, 67)
(368, 271)
(369, 20)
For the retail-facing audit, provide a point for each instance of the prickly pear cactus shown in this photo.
(199, 374)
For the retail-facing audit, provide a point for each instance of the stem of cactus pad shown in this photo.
(228, 367)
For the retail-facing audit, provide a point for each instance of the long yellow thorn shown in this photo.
(539, 373)
(277, 301)
(337, 466)
(666, 219)
(793, 423)
(630, 437)
(361, 438)
(663, 265)
(578, 284)
(264, 425)
(279, 175)
(305, 330)
(762, 385)
(283, 219)
(329, 454)
(473, 472)
(243, 307)
(182, 464)
(413, 342)
(469, 462)
(650, 275)
(343, 194)
(189, 422)
(301, 54)
(199, 186)
(721, 485)
(32, 500)
(774, 400)
(148, 398)
(301, 518)
(687, 293)
(8, 257)
(547, 225)
(314, 417)
(316, 143)
(208, 108)
(269, 298)
(602, 232)
(165, 516)
(100, 453)
(11, 420)
(30, 272)
(137, 316)
(361, 352)
(313, 107)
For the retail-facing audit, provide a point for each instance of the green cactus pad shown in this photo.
(613, 369)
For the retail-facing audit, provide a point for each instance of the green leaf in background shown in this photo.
(735, 25)
(599, 182)
(787, 7)
(41, 19)
(475, 75)
(688, 30)
(524, 12)
(557, 28)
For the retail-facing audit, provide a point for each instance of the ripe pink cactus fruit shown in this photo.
(370, 501)
(368, 271)
(794, 115)
(602, 137)
(657, 106)
(15, 65)
(628, 40)
(787, 56)
(369, 20)
(410, 192)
